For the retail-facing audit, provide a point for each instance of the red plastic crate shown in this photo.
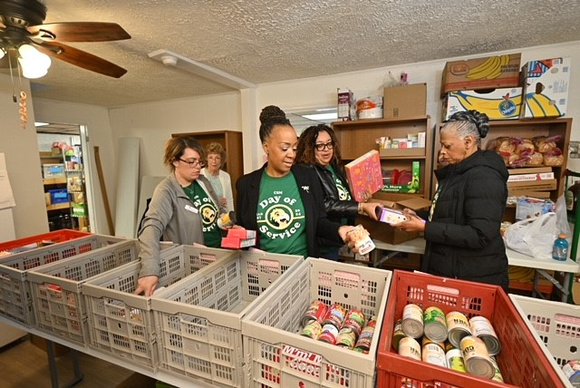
(55, 237)
(521, 361)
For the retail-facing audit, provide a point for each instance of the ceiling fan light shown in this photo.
(31, 68)
(2, 53)
(27, 51)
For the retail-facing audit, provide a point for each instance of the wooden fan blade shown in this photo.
(81, 58)
(80, 32)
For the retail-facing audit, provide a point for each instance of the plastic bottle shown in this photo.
(560, 249)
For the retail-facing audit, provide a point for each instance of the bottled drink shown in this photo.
(560, 249)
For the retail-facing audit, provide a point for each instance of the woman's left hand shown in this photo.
(414, 223)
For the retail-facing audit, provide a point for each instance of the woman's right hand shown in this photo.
(370, 209)
(146, 285)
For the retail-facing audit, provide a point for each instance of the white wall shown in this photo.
(155, 122)
(96, 119)
(22, 160)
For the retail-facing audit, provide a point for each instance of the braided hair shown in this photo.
(468, 123)
(271, 116)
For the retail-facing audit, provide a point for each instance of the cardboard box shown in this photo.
(546, 84)
(497, 104)
(386, 233)
(481, 73)
(405, 101)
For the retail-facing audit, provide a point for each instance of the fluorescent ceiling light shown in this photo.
(40, 124)
(321, 116)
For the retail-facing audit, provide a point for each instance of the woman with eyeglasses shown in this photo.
(219, 179)
(284, 201)
(184, 210)
(318, 149)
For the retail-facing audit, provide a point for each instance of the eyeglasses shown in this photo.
(193, 163)
(322, 146)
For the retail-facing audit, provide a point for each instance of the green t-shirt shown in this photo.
(209, 213)
(281, 217)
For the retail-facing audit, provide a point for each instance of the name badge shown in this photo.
(190, 208)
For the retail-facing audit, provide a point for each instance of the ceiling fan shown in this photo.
(24, 39)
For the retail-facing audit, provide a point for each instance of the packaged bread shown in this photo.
(554, 157)
(502, 144)
(523, 145)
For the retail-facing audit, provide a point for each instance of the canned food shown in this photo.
(455, 360)
(397, 334)
(434, 324)
(433, 353)
(355, 319)
(409, 347)
(476, 357)
(366, 335)
(329, 334)
(481, 327)
(457, 327)
(412, 324)
(425, 341)
(572, 372)
(312, 330)
(497, 376)
(335, 315)
(346, 337)
(316, 311)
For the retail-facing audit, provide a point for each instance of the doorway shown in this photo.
(63, 151)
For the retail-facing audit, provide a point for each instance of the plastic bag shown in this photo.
(534, 236)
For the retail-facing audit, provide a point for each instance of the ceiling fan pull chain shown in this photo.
(23, 109)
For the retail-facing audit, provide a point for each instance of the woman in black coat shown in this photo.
(463, 228)
(318, 149)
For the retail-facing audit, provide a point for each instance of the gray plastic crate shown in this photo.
(555, 326)
(120, 322)
(277, 356)
(199, 318)
(56, 288)
(15, 297)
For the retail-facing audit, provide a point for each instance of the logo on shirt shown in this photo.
(279, 217)
(208, 214)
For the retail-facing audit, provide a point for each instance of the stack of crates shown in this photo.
(56, 288)
(20, 258)
(522, 361)
(276, 355)
(555, 326)
(121, 323)
(199, 318)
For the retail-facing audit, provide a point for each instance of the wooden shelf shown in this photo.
(54, 181)
(58, 206)
(358, 137)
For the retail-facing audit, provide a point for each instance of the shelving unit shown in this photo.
(232, 143)
(71, 214)
(358, 137)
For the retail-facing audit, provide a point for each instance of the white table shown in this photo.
(541, 265)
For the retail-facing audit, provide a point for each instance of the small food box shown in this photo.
(546, 87)
(239, 238)
(386, 233)
(497, 104)
(52, 170)
(481, 73)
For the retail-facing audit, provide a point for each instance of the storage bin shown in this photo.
(522, 361)
(39, 240)
(198, 319)
(555, 326)
(56, 289)
(275, 355)
(120, 322)
(15, 296)
(53, 170)
(58, 196)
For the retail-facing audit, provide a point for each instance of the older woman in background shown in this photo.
(219, 179)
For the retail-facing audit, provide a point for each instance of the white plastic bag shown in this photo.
(533, 237)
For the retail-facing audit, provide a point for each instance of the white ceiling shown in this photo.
(273, 40)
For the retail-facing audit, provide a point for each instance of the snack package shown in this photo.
(362, 239)
(390, 216)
